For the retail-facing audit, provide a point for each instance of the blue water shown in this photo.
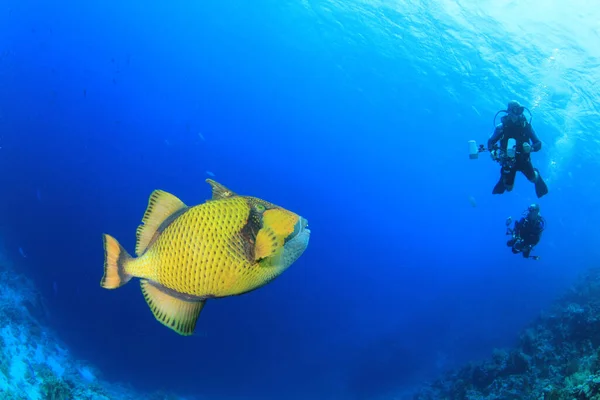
(355, 115)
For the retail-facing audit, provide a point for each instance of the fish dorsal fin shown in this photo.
(219, 191)
(161, 206)
(177, 313)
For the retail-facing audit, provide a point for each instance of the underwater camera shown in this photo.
(474, 149)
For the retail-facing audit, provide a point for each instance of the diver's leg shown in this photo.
(541, 189)
(509, 178)
(500, 188)
(527, 169)
(533, 175)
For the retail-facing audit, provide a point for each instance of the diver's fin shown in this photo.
(219, 191)
(173, 312)
(541, 188)
(267, 243)
(499, 188)
(161, 206)
(115, 261)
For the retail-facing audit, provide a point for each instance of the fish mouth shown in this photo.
(304, 223)
(300, 227)
(296, 243)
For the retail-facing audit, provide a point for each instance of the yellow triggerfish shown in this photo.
(227, 246)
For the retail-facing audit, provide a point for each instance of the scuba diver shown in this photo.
(526, 232)
(516, 157)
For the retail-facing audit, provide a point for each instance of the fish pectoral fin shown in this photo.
(173, 312)
(267, 244)
(161, 206)
(219, 191)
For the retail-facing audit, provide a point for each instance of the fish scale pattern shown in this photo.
(201, 252)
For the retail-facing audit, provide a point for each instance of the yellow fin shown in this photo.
(115, 262)
(267, 244)
(161, 206)
(173, 312)
(219, 191)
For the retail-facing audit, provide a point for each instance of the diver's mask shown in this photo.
(533, 210)
(515, 113)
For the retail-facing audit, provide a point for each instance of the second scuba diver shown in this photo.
(526, 232)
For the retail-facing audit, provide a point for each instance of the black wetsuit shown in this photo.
(527, 232)
(522, 132)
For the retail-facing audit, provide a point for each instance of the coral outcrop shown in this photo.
(34, 364)
(557, 358)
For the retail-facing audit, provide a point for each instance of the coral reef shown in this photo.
(557, 358)
(34, 364)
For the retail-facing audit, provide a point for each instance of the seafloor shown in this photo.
(557, 357)
(34, 364)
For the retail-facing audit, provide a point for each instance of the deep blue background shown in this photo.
(317, 110)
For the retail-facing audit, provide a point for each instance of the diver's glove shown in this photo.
(526, 147)
(494, 155)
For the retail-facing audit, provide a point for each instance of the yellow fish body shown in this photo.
(227, 246)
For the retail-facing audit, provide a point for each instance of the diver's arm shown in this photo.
(518, 226)
(535, 140)
(539, 227)
(495, 136)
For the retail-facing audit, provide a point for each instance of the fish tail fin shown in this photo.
(116, 259)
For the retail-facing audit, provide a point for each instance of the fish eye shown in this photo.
(259, 208)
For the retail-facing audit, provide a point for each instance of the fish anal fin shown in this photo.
(161, 206)
(176, 313)
(219, 191)
(267, 244)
